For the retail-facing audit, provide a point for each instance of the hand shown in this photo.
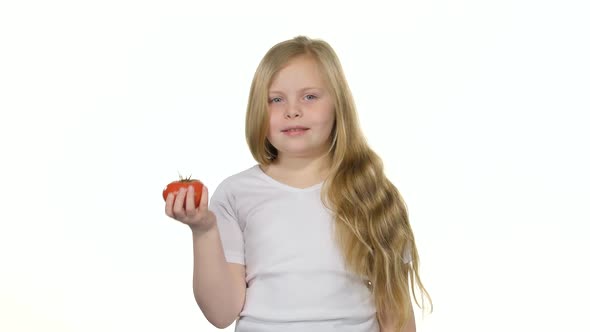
(197, 218)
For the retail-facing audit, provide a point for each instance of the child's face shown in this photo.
(298, 96)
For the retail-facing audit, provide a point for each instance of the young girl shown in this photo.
(314, 237)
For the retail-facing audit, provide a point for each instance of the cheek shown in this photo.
(327, 119)
(273, 125)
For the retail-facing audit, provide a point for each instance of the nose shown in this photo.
(293, 111)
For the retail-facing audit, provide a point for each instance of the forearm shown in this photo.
(213, 287)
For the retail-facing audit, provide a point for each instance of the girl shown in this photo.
(313, 237)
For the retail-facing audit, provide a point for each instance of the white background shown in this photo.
(478, 109)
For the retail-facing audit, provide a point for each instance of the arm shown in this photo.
(388, 324)
(219, 287)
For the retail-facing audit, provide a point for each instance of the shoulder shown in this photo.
(236, 194)
(232, 184)
(239, 177)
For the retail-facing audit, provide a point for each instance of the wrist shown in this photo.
(203, 229)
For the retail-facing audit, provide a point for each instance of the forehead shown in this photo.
(302, 71)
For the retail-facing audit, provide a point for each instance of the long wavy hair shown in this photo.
(371, 219)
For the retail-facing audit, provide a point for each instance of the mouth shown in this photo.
(294, 132)
(294, 129)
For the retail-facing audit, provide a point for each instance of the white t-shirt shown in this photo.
(295, 274)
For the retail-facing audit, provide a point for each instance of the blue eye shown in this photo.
(274, 100)
(313, 97)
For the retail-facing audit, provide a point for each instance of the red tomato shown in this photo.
(174, 186)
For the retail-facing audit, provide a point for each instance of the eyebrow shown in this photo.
(308, 88)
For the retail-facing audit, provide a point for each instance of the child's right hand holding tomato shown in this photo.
(198, 218)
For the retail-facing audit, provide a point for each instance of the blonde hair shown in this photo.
(371, 218)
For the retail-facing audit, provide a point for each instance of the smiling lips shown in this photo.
(295, 130)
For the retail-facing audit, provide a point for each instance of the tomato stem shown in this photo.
(183, 179)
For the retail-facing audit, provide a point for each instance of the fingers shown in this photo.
(181, 205)
(170, 205)
(190, 202)
(203, 205)
(178, 209)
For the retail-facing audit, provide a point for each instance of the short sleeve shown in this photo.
(232, 238)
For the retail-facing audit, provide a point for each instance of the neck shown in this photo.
(302, 165)
(307, 170)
